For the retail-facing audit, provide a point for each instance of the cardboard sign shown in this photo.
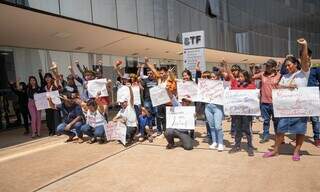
(97, 85)
(210, 91)
(123, 93)
(41, 99)
(242, 102)
(159, 96)
(136, 95)
(187, 89)
(180, 117)
(116, 131)
(301, 102)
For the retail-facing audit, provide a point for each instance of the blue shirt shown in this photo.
(314, 77)
(70, 113)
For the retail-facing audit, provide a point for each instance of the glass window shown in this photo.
(104, 12)
(145, 17)
(127, 15)
(78, 9)
(161, 19)
(174, 20)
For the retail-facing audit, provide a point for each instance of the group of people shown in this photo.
(83, 114)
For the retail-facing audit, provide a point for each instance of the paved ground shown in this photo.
(48, 164)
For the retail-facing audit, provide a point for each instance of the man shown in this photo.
(72, 118)
(314, 81)
(269, 80)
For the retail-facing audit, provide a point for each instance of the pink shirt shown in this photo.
(267, 84)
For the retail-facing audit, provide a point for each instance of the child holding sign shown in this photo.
(242, 122)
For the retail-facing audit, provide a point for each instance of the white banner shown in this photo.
(159, 96)
(301, 102)
(180, 117)
(187, 89)
(116, 131)
(242, 102)
(210, 91)
(41, 99)
(97, 85)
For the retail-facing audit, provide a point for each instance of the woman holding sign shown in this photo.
(32, 89)
(297, 77)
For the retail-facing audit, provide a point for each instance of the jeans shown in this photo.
(75, 130)
(148, 105)
(93, 132)
(214, 115)
(161, 118)
(316, 127)
(186, 140)
(267, 112)
(243, 125)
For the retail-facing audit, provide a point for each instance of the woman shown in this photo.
(297, 77)
(32, 89)
(52, 116)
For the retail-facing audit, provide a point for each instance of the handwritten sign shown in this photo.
(159, 96)
(242, 102)
(301, 102)
(136, 95)
(180, 117)
(123, 93)
(116, 131)
(210, 91)
(187, 89)
(97, 85)
(41, 99)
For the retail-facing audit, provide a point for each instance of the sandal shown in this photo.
(269, 154)
(296, 157)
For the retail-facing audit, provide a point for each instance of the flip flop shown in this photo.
(296, 157)
(269, 154)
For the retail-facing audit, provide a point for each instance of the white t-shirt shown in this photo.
(129, 115)
(299, 78)
(95, 119)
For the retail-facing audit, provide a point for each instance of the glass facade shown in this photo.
(257, 27)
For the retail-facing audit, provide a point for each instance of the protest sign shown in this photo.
(159, 96)
(123, 93)
(187, 89)
(136, 95)
(301, 102)
(41, 99)
(210, 91)
(180, 117)
(116, 131)
(97, 85)
(242, 102)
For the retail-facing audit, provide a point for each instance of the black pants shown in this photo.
(161, 118)
(186, 140)
(53, 120)
(243, 125)
(131, 131)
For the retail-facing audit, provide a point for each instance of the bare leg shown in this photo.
(299, 141)
(279, 140)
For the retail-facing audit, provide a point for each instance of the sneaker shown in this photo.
(234, 150)
(138, 135)
(250, 152)
(141, 139)
(317, 143)
(158, 134)
(92, 140)
(264, 140)
(213, 146)
(220, 147)
(101, 140)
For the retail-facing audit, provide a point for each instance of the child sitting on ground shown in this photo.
(145, 126)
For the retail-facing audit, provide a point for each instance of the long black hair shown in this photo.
(29, 84)
(247, 76)
(293, 60)
(188, 73)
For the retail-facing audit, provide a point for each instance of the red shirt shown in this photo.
(236, 85)
(267, 84)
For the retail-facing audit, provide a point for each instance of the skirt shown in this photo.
(292, 125)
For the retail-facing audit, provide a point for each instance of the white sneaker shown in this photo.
(213, 146)
(220, 147)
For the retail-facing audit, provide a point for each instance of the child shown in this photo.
(95, 121)
(128, 116)
(145, 125)
(242, 122)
